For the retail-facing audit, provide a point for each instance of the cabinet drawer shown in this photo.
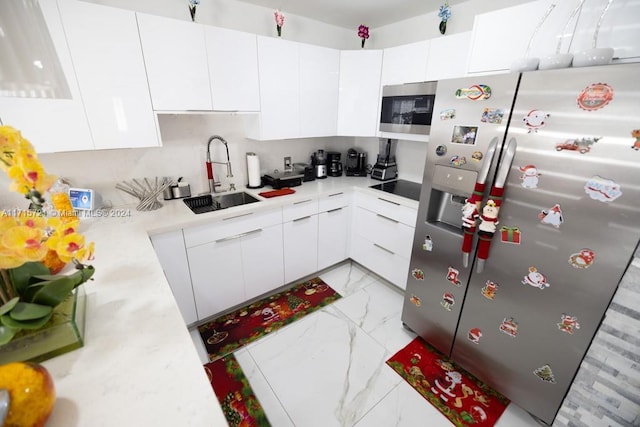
(380, 260)
(386, 231)
(230, 226)
(388, 208)
(333, 201)
(299, 209)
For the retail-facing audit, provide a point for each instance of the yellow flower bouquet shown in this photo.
(35, 243)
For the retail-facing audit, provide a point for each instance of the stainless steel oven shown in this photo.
(408, 108)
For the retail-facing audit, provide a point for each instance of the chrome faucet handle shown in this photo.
(232, 187)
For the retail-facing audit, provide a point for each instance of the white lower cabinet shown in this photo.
(334, 221)
(262, 261)
(300, 235)
(169, 248)
(382, 235)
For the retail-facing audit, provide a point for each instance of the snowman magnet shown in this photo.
(529, 176)
(535, 279)
(428, 244)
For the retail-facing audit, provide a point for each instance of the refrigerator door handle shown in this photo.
(491, 210)
(471, 209)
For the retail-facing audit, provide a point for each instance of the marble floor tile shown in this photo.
(347, 278)
(325, 370)
(377, 309)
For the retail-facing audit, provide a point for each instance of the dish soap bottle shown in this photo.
(61, 202)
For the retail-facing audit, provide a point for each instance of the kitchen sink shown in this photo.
(209, 202)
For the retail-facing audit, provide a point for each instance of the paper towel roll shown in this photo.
(253, 171)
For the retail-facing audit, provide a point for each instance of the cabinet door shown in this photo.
(233, 69)
(359, 92)
(300, 247)
(279, 88)
(455, 48)
(216, 275)
(501, 37)
(176, 60)
(333, 236)
(107, 56)
(51, 125)
(172, 254)
(319, 75)
(380, 260)
(406, 63)
(620, 27)
(262, 260)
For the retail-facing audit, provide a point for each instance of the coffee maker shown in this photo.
(335, 165)
(356, 163)
(386, 167)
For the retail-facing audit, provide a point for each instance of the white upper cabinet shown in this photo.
(620, 27)
(233, 69)
(448, 56)
(502, 36)
(107, 57)
(359, 92)
(406, 63)
(51, 124)
(279, 89)
(175, 56)
(319, 75)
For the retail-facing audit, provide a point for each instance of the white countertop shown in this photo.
(138, 366)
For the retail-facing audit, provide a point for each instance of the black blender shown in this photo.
(386, 167)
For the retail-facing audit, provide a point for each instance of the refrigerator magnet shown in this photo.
(511, 235)
(447, 301)
(552, 216)
(489, 290)
(509, 326)
(428, 244)
(636, 144)
(457, 160)
(464, 135)
(417, 274)
(448, 114)
(582, 259)
(441, 150)
(595, 96)
(545, 374)
(452, 276)
(535, 278)
(529, 176)
(477, 92)
(492, 115)
(477, 156)
(415, 300)
(568, 323)
(474, 335)
(581, 145)
(602, 189)
(534, 120)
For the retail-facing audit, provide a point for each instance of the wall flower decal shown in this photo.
(279, 17)
(363, 33)
(444, 14)
(192, 8)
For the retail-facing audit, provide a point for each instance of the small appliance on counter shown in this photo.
(253, 171)
(279, 180)
(179, 190)
(309, 174)
(84, 199)
(386, 167)
(319, 162)
(335, 165)
(356, 163)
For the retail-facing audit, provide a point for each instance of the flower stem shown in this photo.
(6, 289)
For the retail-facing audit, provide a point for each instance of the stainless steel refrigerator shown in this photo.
(529, 216)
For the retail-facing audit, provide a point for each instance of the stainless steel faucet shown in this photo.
(213, 184)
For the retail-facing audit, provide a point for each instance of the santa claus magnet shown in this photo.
(534, 120)
(447, 301)
(489, 290)
(535, 279)
(568, 323)
(474, 335)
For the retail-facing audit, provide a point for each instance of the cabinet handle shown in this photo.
(388, 201)
(388, 219)
(302, 201)
(238, 216)
(237, 236)
(335, 194)
(301, 219)
(334, 210)
(384, 249)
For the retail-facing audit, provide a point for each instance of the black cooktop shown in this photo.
(400, 187)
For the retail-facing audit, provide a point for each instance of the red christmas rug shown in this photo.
(238, 402)
(225, 334)
(461, 397)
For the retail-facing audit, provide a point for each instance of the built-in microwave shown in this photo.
(408, 108)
